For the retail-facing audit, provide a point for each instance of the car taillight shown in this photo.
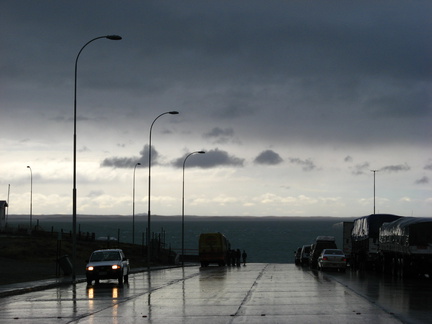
(325, 258)
(344, 259)
(115, 267)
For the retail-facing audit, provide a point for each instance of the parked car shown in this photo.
(304, 255)
(321, 243)
(107, 264)
(332, 259)
(297, 256)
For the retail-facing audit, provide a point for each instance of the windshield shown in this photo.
(105, 256)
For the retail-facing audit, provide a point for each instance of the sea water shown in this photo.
(265, 239)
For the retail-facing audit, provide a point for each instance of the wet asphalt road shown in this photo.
(409, 299)
(256, 293)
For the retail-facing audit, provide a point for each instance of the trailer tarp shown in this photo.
(414, 230)
(368, 226)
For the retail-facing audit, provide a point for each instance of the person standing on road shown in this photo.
(233, 257)
(244, 256)
(238, 257)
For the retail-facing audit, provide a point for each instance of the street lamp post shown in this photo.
(374, 171)
(149, 183)
(31, 196)
(74, 190)
(184, 163)
(133, 205)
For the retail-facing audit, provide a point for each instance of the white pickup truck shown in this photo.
(107, 264)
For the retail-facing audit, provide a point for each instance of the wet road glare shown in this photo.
(255, 293)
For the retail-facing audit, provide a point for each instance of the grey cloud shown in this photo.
(395, 168)
(217, 132)
(84, 149)
(348, 159)
(191, 162)
(225, 39)
(308, 56)
(428, 166)
(423, 180)
(211, 159)
(120, 162)
(235, 102)
(95, 193)
(130, 162)
(307, 165)
(233, 37)
(415, 103)
(268, 157)
(220, 135)
(361, 168)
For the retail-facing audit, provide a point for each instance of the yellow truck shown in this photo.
(213, 248)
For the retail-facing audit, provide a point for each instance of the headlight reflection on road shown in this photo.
(90, 294)
(114, 293)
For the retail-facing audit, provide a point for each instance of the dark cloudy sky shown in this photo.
(294, 102)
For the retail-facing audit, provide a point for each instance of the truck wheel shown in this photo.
(385, 265)
(405, 269)
(394, 267)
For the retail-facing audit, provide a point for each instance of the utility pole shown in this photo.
(374, 171)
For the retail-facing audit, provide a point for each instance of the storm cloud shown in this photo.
(268, 157)
(336, 87)
(211, 159)
(130, 162)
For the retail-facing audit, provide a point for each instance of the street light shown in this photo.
(31, 196)
(184, 163)
(74, 190)
(133, 205)
(374, 171)
(149, 183)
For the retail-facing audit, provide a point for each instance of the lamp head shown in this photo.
(114, 37)
(173, 112)
(201, 152)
